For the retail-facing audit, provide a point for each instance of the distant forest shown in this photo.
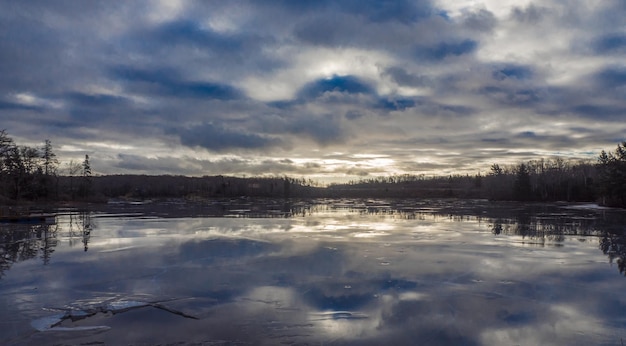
(30, 174)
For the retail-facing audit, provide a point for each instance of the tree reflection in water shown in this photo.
(614, 246)
(539, 224)
(80, 225)
(609, 229)
(303, 272)
(23, 241)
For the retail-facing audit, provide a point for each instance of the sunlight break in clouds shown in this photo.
(310, 64)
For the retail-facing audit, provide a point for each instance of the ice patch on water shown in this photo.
(80, 329)
(120, 249)
(589, 206)
(52, 322)
(47, 322)
(339, 315)
(123, 305)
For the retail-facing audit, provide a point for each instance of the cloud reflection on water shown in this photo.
(433, 278)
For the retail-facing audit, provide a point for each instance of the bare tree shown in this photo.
(73, 169)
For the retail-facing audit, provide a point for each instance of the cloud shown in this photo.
(131, 163)
(217, 138)
(324, 130)
(614, 43)
(402, 77)
(17, 106)
(169, 83)
(513, 71)
(340, 84)
(397, 104)
(512, 96)
(600, 111)
(446, 49)
(480, 20)
(404, 11)
(189, 32)
(611, 77)
(530, 14)
(300, 80)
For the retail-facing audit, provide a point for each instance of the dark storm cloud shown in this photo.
(105, 112)
(138, 163)
(216, 138)
(395, 104)
(519, 97)
(22, 66)
(4, 105)
(402, 77)
(338, 89)
(513, 71)
(188, 32)
(611, 77)
(328, 30)
(192, 36)
(395, 26)
(480, 20)
(600, 112)
(353, 114)
(446, 49)
(169, 83)
(341, 84)
(193, 166)
(519, 139)
(425, 106)
(529, 15)
(324, 130)
(404, 11)
(610, 44)
(94, 101)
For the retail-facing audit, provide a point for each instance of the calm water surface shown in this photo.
(331, 272)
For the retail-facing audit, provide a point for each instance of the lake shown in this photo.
(316, 272)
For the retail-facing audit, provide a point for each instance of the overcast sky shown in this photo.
(318, 89)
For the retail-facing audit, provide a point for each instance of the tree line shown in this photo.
(32, 173)
(29, 173)
(544, 179)
(603, 181)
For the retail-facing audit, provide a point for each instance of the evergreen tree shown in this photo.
(522, 188)
(86, 167)
(85, 187)
(49, 179)
(50, 161)
(612, 176)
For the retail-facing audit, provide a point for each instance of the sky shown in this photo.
(325, 90)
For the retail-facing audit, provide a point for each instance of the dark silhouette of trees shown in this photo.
(50, 161)
(25, 172)
(49, 178)
(73, 169)
(612, 176)
(499, 183)
(85, 182)
(543, 180)
(521, 188)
